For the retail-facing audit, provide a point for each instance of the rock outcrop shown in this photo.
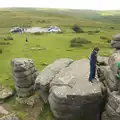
(115, 43)
(24, 74)
(48, 73)
(112, 84)
(70, 94)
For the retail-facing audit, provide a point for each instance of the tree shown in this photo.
(77, 29)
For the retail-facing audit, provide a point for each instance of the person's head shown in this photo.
(96, 49)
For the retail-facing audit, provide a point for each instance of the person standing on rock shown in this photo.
(93, 62)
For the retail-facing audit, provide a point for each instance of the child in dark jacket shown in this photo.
(93, 62)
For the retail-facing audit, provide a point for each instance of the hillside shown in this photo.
(33, 17)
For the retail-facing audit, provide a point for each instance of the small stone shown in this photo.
(5, 92)
(3, 111)
(29, 101)
(10, 117)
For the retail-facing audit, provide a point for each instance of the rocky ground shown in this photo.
(29, 109)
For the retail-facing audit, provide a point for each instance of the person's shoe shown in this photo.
(91, 81)
(94, 78)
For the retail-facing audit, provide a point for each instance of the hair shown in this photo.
(96, 49)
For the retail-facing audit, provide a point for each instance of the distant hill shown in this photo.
(27, 17)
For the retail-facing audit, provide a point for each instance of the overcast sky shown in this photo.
(74, 4)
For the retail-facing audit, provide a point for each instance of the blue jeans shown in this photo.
(92, 71)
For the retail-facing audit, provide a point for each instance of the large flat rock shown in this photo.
(49, 72)
(70, 75)
(72, 94)
(85, 91)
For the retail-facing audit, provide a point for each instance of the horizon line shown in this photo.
(61, 8)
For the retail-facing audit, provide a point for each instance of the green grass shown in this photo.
(56, 45)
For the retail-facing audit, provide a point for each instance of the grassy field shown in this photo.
(55, 45)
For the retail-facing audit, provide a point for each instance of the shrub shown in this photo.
(8, 38)
(4, 43)
(77, 29)
(78, 42)
(108, 41)
(1, 51)
(96, 31)
(104, 38)
(112, 28)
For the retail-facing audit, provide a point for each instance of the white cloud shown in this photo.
(75, 4)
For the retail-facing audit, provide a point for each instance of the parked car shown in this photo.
(54, 29)
(16, 29)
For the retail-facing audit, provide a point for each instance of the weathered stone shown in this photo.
(114, 101)
(21, 64)
(113, 59)
(105, 117)
(115, 44)
(59, 94)
(113, 115)
(24, 83)
(48, 73)
(3, 111)
(27, 94)
(62, 116)
(85, 91)
(116, 37)
(25, 73)
(103, 60)
(71, 94)
(28, 78)
(29, 101)
(5, 92)
(10, 117)
(110, 79)
(24, 90)
(71, 74)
